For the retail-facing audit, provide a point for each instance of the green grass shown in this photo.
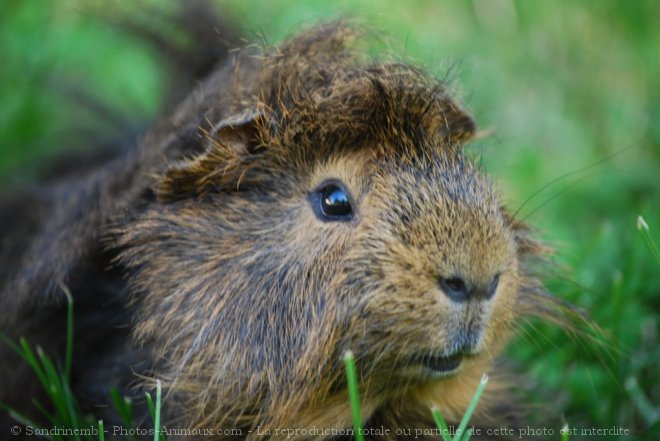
(55, 381)
(562, 85)
(353, 394)
(461, 433)
(643, 228)
(76, 425)
(154, 409)
(124, 406)
(441, 424)
(66, 415)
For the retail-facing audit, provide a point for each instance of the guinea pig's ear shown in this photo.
(455, 125)
(232, 146)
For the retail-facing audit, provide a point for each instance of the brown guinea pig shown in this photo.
(303, 201)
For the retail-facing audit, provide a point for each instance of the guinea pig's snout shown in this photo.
(459, 289)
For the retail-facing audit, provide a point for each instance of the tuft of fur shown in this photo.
(241, 299)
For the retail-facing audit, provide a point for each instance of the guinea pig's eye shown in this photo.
(332, 202)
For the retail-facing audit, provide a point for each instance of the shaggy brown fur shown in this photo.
(241, 299)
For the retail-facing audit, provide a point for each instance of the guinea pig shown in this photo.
(301, 202)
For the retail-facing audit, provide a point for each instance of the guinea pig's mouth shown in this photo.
(438, 366)
(445, 362)
(444, 365)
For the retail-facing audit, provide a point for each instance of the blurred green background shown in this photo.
(566, 90)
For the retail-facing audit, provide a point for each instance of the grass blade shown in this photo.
(440, 422)
(643, 228)
(101, 431)
(70, 405)
(28, 356)
(53, 388)
(68, 358)
(641, 402)
(124, 407)
(354, 394)
(50, 417)
(157, 434)
(152, 407)
(564, 433)
(28, 422)
(11, 344)
(471, 407)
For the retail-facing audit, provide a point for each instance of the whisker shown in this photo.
(552, 182)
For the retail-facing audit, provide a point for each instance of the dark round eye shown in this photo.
(334, 203)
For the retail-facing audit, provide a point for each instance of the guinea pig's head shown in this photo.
(332, 208)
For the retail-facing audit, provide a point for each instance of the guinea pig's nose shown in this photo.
(455, 288)
(459, 290)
